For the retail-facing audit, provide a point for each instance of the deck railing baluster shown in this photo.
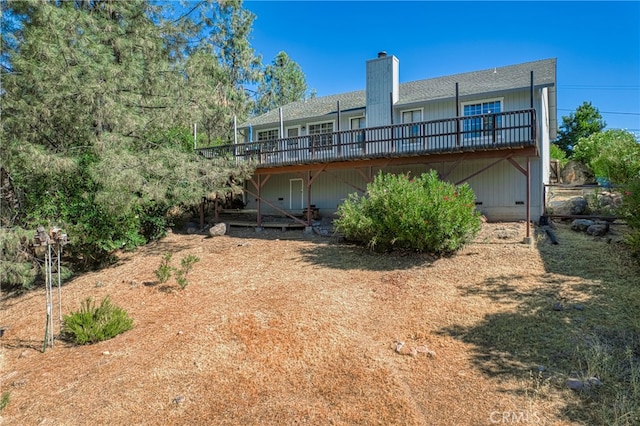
(508, 129)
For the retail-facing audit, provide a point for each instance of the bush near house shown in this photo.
(557, 153)
(612, 154)
(421, 213)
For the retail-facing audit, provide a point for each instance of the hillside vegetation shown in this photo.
(282, 328)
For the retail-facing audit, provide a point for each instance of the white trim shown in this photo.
(358, 117)
(411, 141)
(286, 130)
(543, 134)
(333, 125)
(281, 127)
(402, 111)
(266, 130)
(309, 134)
(291, 193)
(357, 141)
(292, 155)
(481, 101)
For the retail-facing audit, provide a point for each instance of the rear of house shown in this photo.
(490, 128)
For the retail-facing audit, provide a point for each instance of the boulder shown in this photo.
(192, 228)
(610, 199)
(584, 385)
(218, 230)
(581, 225)
(574, 206)
(574, 172)
(598, 229)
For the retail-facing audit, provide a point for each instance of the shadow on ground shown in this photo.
(583, 308)
(346, 257)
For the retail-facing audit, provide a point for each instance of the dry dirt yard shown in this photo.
(286, 328)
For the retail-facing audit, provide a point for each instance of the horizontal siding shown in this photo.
(499, 188)
(438, 110)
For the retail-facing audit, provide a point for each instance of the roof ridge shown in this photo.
(507, 77)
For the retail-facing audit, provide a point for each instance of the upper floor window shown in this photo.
(320, 133)
(358, 123)
(270, 137)
(413, 116)
(356, 138)
(315, 129)
(411, 133)
(481, 126)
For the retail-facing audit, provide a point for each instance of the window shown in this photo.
(358, 137)
(481, 126)
(292, 144)
(357, 123)
(410, 133)
(269, 137)
(413, 116)
(321, 137)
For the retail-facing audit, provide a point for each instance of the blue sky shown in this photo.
(597, 44)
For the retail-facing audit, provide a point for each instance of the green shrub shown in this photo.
(631, 213)
(557, 153)
(613, 154)
(186, 265)
(93, 324)
(17, 268)
(164, 271)
(4, 400)
(423, 214)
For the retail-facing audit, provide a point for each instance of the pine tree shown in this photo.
(284, 82)
(585, 121)
(97, 106)
(225, 63)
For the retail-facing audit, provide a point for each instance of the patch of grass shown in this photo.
(607, 332)
(580, 321)
(93, 323)
(4, 400)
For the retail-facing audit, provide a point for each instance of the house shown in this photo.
(490, 128)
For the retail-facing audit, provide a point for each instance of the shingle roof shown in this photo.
(499, 79)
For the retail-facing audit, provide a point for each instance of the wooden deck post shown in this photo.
(457, 116)
(339, 136)
(309, 198)
(258, 203)
(528, 239)
(204, 200)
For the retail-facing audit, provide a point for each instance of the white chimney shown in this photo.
(382, 89)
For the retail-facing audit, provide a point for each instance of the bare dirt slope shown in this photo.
(281, 328)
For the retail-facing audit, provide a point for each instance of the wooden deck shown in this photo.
(284, 226)
(487, 132)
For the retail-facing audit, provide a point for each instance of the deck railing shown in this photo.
(512, 129)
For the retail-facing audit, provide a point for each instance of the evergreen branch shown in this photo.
(148, 106)
(189, 12)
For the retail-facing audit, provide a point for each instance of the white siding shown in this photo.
(501, 189)
(498, 188)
